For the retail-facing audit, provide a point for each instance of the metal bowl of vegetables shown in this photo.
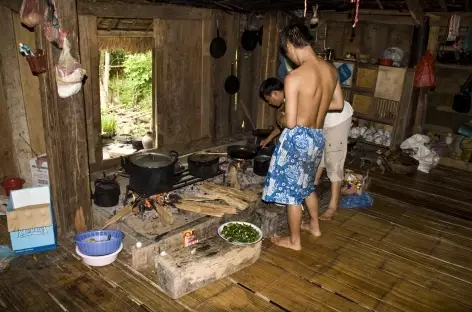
(240, 233)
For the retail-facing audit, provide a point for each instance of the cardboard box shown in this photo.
(39, 170)
(30, 220)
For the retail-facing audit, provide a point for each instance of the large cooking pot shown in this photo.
(261, 165)
(151, 173)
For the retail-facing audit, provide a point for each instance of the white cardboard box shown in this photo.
(39, 170)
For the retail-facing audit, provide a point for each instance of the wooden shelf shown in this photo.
(374, 119)
(454, 66)
(368, 143)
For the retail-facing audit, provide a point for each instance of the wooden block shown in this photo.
(182, 272)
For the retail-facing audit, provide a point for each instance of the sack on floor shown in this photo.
(69, 73)
(30, 13)
(356, 201)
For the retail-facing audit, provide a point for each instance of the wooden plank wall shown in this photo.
(249, 75)
(223, 104)
(7, 156)
(66, 140)
(90, 60)
(179, 80)
(21, 109)
(273, 23)
(368, 38)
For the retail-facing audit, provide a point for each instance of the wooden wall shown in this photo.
(20, 103)
(192, 104)
(368, 38)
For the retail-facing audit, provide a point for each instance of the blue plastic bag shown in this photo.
(356, 201)
(6, 255)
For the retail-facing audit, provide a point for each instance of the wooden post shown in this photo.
(66, 135)
(421, 109)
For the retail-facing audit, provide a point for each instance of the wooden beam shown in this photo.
(442, 4)
(416, 11)
(90, 60)
(66, 135)
(379, 3)
(14, 5)
(120, 33)
(132, 10)
(400, 19)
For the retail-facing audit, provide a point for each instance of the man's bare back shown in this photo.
(312, 89)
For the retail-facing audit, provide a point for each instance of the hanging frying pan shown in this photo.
(249, 38)
(232, 83)
(217, 45)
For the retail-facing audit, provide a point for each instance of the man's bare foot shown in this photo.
(315, 231)
(328, 214)
(286, 243)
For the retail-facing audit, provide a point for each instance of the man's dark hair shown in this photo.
(268, 86)
(296, 34)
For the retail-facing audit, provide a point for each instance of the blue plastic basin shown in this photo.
(102, 246)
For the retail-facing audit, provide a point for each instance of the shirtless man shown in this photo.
(310, 90)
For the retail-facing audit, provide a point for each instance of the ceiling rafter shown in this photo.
(416, 11)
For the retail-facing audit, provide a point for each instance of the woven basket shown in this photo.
(396, 167)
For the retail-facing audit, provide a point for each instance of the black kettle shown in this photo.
(107, 192)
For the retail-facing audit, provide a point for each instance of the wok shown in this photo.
(242, 151)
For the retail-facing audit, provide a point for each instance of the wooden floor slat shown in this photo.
(411, 251)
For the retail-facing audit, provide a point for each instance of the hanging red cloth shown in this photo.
(425, 76)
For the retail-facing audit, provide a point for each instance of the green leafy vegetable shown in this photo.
(240, 233)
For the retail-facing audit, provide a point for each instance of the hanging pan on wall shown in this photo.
(232, 83)
(249, 38)
(217, 45)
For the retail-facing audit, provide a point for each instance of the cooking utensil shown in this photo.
(261, 165)
(242, 151)
(217, 45)
(249, 39)
(107, 192)
(385, 62)
(232, 83)
(203, 166)
(151, 173)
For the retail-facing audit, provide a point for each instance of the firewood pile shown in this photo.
(217, 200)
(210, 199)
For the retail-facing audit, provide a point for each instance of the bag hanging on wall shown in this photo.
(30, 13)
(424, 75)
(69, 73)
(51, 26)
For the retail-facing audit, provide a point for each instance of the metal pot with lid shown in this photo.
(151, 173)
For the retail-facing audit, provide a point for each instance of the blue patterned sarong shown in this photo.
(291, 176)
